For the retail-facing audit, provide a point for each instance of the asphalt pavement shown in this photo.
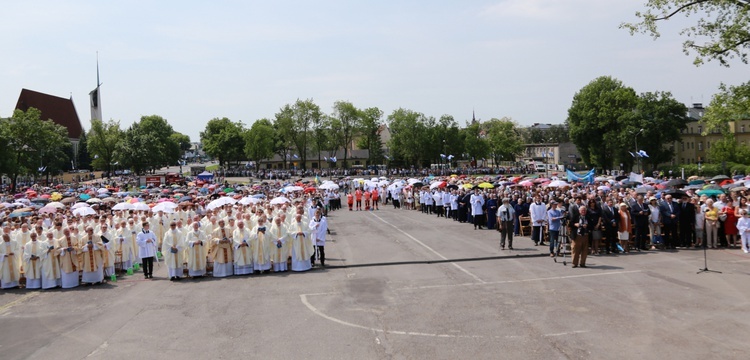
(403, 285)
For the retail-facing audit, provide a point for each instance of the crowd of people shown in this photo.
(255, 230)
(601, 217)
(92, 233)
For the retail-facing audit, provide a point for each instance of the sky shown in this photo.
(192, 61)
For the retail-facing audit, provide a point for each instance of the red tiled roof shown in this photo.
(60, 110)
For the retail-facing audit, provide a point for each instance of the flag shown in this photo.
(631, 153)
(450, 157)
(287, 156)
(317, 180)
(325, 158)
(295, 156)
(334, 159)
(636, 177)
(586, 178)
(442, 156)
(642, 153)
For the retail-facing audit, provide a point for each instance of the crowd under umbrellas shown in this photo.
(91, 206)
(452, 197)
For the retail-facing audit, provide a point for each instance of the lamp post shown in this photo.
(637, 158)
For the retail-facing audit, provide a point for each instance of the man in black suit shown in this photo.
(670, 212)
(687, 221)
(609, 220)
(640, 212)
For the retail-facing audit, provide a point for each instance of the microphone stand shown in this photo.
(705, 260)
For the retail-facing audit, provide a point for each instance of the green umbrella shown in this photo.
(228, 190)
(710, 192)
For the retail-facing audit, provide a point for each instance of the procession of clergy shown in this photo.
(237, 239)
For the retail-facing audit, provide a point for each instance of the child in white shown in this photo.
(743, 225)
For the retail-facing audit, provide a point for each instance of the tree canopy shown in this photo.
(223, 140)
(720, 32)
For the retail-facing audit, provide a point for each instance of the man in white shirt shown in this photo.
(477, 201)
(318, 229)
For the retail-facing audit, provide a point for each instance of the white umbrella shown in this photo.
(375, 179)
(139, 206)
(56, 205)
(102, 191)
(249, 200)
(224, 200)
(329, 186)
(558, 183)
(279, 200)
(94, 201)
(84, 211)
(382, 182)
(48, 210)
(123, 206)
(412, 181)
(164, 207)
(603, 188)
(79, 205)
(292, 188)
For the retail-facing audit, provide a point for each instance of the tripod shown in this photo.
(705, 261)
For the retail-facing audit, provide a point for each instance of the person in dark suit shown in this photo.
(640, 212)
(670, 212)
(609, 219)
(686, 221)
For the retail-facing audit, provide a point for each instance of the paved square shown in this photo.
(391, 291)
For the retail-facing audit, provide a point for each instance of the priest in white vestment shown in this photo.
(197, 247)
(32, 261)
(51, 263)
(261, 244)
(302, 246)
(221, 250)
(92, 264)
(243, 255)
(280, 248)
(68, 245)
(172, 248)
(10, 262)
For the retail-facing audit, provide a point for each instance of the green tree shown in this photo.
(475, 141)
(370, 125)
(534, 135)
(148, 145)
(724, 25)
(31, 143)
(503, 139)
(597, 117)
(662, 118)
(259, 141)
(286, 133)
(558, 134)
(728, 150)
(222, 139)
(350, 120)
(84, 159)
(103, 139)
(320, 132)
(731, 103)
(407, 132)
(182, 141)
(304, 114)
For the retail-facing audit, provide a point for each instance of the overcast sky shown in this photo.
(191, 61)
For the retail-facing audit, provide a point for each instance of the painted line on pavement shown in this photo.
(17, 301)
(459, 267)
(315, 310)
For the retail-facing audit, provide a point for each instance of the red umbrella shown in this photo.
(310, 190)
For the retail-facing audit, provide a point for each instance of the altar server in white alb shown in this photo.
(302, 246)
(318, 229)
(147, 243)
(32, 261)
(243, 256)
(172, 247)
(51, 264)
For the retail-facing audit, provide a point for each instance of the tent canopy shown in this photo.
(205, 176)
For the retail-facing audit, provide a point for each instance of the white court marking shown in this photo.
(430, 249)
(316, 311)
